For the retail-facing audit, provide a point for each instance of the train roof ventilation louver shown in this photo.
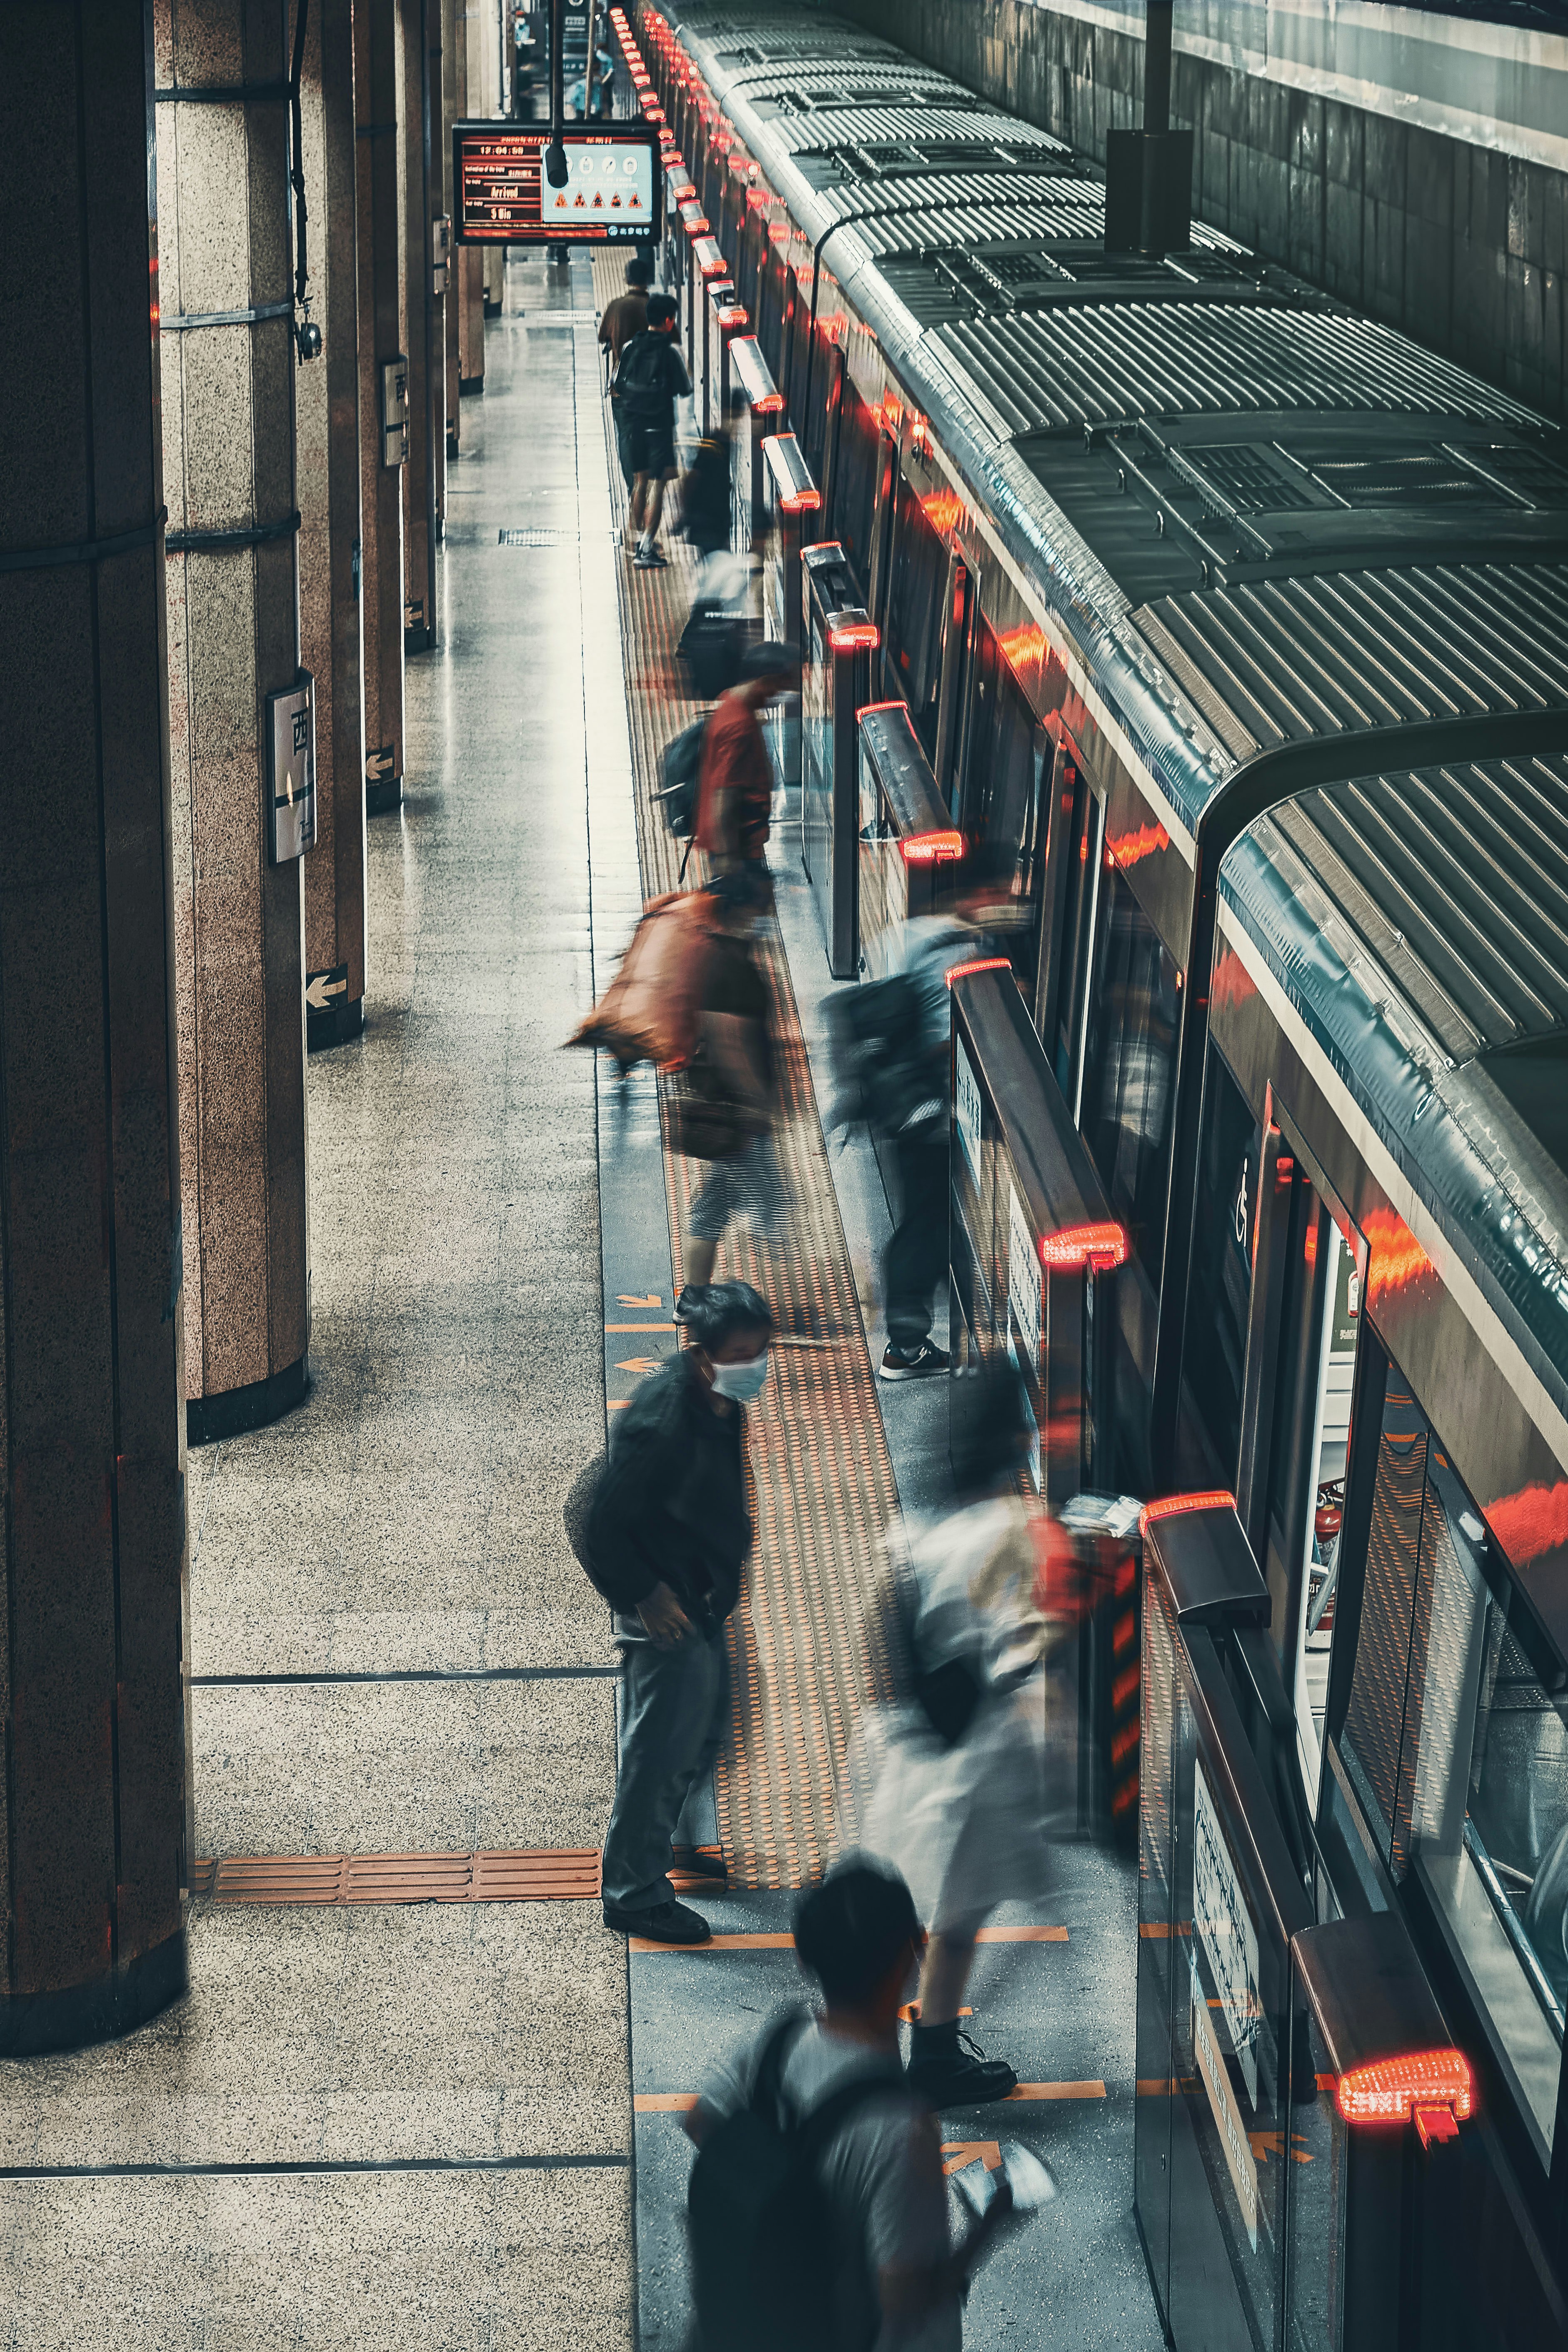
(1418, 477)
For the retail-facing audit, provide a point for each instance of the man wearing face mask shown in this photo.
(669, 1533)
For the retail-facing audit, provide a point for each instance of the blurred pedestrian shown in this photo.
(734, 1072)
(819, 2211)
(650, 378)
(668, 1531)
(624, 319)
(735, 795)
(956, 1772)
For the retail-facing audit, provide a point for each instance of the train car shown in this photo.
(1233, 628)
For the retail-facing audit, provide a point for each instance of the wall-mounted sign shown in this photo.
(292, 769)
(614, 191)
(966, 1110)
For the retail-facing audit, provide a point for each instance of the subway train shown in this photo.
(1223, 632)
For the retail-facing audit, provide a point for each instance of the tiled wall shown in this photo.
(1462, 247)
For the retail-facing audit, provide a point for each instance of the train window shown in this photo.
(770, 312)
(1129, 1063)
(913, 632)
(1078, 898)
(1007, 750)
(1215, 1364)
(855, 491)
(800, 346)
(1461, 1756)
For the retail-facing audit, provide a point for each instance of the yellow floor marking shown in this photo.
(957, 2153)
(1022, 1935)
(664, 2102)
(642, 1327)
(1057, 2091)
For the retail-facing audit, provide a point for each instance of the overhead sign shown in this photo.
(614, 191)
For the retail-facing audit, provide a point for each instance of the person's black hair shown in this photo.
(663, 310)
(714, 1311)
(639, 271)
(768, 659)
(990, 1427)
(851, 1929)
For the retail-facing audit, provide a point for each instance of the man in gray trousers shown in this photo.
(668, 1531)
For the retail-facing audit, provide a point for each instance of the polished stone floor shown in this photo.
(438, 2097)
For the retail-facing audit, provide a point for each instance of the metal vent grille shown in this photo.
(1418, 478)
(540, 535)
(1374, 1720)
(1530, 473)
(534, 1875)
(1248, 478)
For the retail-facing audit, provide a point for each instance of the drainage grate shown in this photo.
(545, 535)
(534, 1875)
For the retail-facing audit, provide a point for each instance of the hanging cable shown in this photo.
(307, 335)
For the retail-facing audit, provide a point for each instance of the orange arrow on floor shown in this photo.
(957, 2153)
(642, 1364)
(653, 1299)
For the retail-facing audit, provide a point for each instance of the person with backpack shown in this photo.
(649, 380)
(735, 789)
(817, 2209)
(735, 1077)
(664, 1537)
(623, 320)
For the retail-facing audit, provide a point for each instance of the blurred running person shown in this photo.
(669, 1532)
(956, 1774)
(650, 378)
(735, 788)
(624, 319)
(737, 1066)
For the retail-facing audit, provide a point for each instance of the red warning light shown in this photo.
(926, 849)
(1388, 2090)
(1177, 1507)
(1101, 1246)
(854, 637)
(976, 963)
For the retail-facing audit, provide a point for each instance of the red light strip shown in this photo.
(1101, 1246)
(1386, 2091)
(977, 963)
(768, 405)
(925, 849)
(1177, 1507)
(857, 635)
(801, 502)
(732, 316)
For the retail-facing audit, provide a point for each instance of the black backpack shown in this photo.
(761, 2227)
(881, 1068)
(642, 379)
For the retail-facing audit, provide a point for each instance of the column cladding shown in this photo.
(93, 1595)
(419, 619)
(382, 330)
(233, 637)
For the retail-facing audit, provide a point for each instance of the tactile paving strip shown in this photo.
(534, 1875)
(806, 1643)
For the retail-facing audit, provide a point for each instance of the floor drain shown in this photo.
(543, 535)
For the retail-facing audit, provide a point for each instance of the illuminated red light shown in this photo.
(926, 849)
(716, 268)
(1386, 2091)
(697, 226)
(976, 963)
(801, 502)
(770, 403)
(1177, 1507)
(654, 112)
(1101, 1246)
(778, 232)
(1131, 848)
(943, 509)
(733, 315)
(893, 411)
(757, 200)
(855, 636)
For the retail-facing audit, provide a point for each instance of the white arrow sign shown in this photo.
(321, 986)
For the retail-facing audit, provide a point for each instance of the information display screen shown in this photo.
(614, 191)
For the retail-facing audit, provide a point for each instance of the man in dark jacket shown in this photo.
(669, 1533)
(649, 380)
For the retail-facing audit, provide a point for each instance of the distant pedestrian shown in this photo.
(735, 1068)
(668, 1530)
(819, 2211)
(624, 319)
(735, 792)
(649, 380)
(956, 1774)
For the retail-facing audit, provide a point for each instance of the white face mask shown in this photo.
(742, 1383)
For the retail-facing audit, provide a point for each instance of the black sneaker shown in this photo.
(662, 1923)
(913, 1363)
(697, 1862)
(960, 2074)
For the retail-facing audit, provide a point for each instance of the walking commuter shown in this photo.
(735, 789)
(735, 1069)
(956, 1774)
(861, 2253)
(649, 380)
(624, 319)
(668, 1531)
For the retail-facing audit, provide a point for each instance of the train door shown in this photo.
(960, 605)
(1072, 895)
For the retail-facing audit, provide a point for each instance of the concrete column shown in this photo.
(92, 1551)
(233, 637)
(419, 619)
(327, 403)
(454, 108)
(437, 204)
(481, 76)
(382, 329)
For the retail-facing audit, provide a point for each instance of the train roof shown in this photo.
(1261, 520)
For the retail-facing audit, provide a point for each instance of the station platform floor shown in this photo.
(400, 2106)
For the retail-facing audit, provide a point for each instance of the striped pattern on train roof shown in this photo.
(1072, 209)
(890, 125)
(1280, 661)
(1456, 877)
(1118, 361)
(1047, 182)
(787, 78)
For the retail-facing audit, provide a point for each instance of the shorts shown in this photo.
(652, 447)
(746, 1189)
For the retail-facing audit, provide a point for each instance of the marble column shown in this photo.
(454, 108)
(419, 619)
(480, 69)
(93, 1597)
(382, 330)
(233, 637)
(327, 405)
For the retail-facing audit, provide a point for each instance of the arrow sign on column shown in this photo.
(957, 2153)
(322, 985)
